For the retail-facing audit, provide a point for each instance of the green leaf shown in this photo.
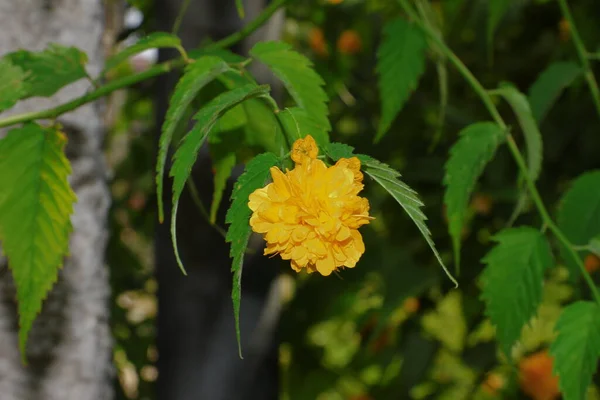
(36, 204)
(579, 215)
(239, 5)
(468, 158)
(49, 70)
(12, 86)
(549, 85)
(195, 77)
(186, 154)
(576, 349)
(156, 40)
(238, 216)
(531, 132)
(297, 123)
(223, 161)
(513, 281)
(400, 65)
(388, 178)
(298, 76)
(496, 10)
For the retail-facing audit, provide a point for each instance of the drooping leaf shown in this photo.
(389, 179)
(468, 158)
(222, 146)
(186, 154)
(298, 124)
(400, 65)
(298, 76)
(239, 5)
(238, 216)
(36, 203)
(531, 132)
(496, 10)
(513, 279)
(576, 349)
(579, 215)
(549, 85)
(12, 85)
(156, 40)
(49, 70)
(195, 77)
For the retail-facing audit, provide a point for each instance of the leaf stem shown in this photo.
(182, 9)
(132, 79)
(582, 53)
(514, 149)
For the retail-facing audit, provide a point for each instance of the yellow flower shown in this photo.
(311, 214)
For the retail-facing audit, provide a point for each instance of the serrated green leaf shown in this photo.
(513, 281)
(400, 65)
(576, 349)
(468, 158)
(195, 77)
(36, 203)
(12, 85)
(298, 123)
(49, 70)
(531, 132)
(156, 40)
(579, 215)
(186, 154)
(496, 10)
(389, 179)
(238, 216)
(549, 85)
(298, 76)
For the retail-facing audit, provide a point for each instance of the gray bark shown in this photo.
(69, 349)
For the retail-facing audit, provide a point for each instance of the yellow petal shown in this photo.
(325, 265)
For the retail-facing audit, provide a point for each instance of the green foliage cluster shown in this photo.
(243, 123)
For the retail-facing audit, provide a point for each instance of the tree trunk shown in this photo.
(69, 348)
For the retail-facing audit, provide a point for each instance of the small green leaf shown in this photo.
(468, 158)
(156, 40)
(51, 69)
(579, 215)
(298, 76)
(389, 179)
(36, 203)
(195, 77)
(400, 65)
(238, 216)
(549, 85)
(239, 5)
(513, 280)
(12, 86)
(531, 132)
(186, 154)
(298, 123)
(576, 349)
(496, 10)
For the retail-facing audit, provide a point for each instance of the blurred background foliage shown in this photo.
(393, 327)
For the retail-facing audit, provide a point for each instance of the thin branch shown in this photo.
(582, 53)
(133, 79)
